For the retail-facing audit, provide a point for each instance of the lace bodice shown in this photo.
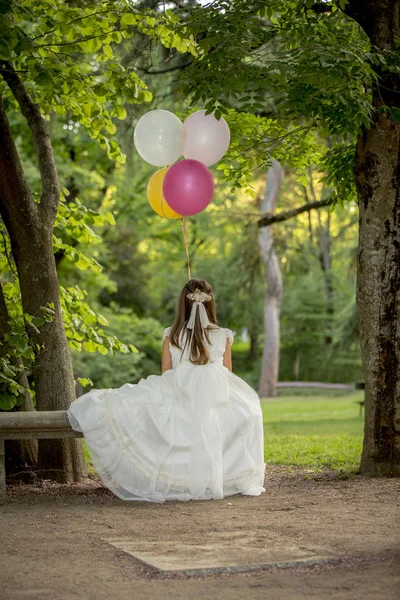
(218, 337)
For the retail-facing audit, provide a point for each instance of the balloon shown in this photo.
(206, 139)
(156, 198)
(188, 187)
(159, 137)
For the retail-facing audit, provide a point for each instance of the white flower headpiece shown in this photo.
(198, 298)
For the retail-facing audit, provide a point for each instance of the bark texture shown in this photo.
(378, 293)
(30, 227)
(273, 296)
(378, 279)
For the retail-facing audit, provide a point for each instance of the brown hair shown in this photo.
(199, 354)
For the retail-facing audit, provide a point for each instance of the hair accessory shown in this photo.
(198, 298)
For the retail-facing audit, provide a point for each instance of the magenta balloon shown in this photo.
(188, 187)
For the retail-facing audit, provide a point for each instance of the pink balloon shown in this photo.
(188, 187)
(206, 139)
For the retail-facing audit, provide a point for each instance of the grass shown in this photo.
(316, 431)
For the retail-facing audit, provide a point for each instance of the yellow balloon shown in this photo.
(156, 198)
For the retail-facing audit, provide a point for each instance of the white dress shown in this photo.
(194, 432)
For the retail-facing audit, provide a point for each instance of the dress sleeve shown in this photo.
(229, 336)
(166, 333)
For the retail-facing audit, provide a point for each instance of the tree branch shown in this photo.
(270, 218)
(168, 70)
(16, 202)
(50, 186)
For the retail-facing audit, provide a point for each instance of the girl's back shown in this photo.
(216, 345)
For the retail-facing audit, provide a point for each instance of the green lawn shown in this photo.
(315, 431)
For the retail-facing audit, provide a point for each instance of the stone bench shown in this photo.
(31, 425)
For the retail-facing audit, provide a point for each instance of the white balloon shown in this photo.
(207, 139)
(159, 137)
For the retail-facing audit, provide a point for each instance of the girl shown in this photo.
(194, 432)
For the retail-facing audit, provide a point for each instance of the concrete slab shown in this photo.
(229, 552)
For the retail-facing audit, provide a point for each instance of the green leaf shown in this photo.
(108, 51)
(87, 109)
(128, 19)
(44, 79)
(111, 128)
(7, 401)
(75, 344)
(90, 346)
(84, 381)
(100, 90)
(110, 218)
(120, 112)
(102, 320)
(116, 37)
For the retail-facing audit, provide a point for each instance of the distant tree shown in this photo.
(274, 288)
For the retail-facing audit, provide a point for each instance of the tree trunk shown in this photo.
(378, 293)
(59, 460)
(325, 259)
(30, 227)
(253, 352)
(377, 170)
(273, 295)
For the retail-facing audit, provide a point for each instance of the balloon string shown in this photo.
(186, 246)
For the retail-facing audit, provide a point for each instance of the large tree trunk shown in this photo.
(30, 227)
(59, 460)
(377, 171)
(378, 293)
(273, 295)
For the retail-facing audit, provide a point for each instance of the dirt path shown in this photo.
(52, 543)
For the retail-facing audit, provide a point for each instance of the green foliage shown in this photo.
(257, 140)
(21, 352)
(114, 371)
(83, 325)
(74, 222)
(316, 66)
(339, 166)
(304, 72)
(67, 56)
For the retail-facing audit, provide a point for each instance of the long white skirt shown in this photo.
(193, 433)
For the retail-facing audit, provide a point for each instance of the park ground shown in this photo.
(53, 536)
